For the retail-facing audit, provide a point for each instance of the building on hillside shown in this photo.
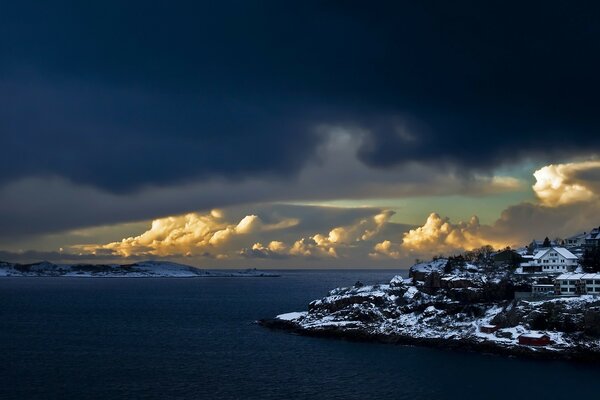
(538, 289)
(577, 284)
(550, 260)
(534, 339)
(575, 240)
(507, 257)
(592, 239)
(488, 328)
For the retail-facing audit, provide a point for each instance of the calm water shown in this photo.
(194, 339)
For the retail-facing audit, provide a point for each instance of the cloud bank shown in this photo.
(187, 235)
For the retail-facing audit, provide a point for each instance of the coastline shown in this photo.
(467, 306)
(466, 345)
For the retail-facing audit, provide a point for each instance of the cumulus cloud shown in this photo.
(327, 245)
(562, 184)
(189, 234)
(387, 249)
(440, 235)
(275, 249)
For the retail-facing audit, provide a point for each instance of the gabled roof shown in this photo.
(564, 252)
(540, 253)
(560, 250)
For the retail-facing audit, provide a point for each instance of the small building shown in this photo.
(506, 257)
(488, 328)
(534, 339)
(553, 259)
(542, 289)
(577, 284)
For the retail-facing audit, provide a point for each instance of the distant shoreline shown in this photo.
(144, 269)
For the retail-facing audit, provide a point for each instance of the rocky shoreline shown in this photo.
(578, 354)
(465, 308)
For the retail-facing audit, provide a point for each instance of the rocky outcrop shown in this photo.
(442, 309)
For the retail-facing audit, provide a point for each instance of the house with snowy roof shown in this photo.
(575, 240)
(577, 284)
(592, 239)
(550, 260)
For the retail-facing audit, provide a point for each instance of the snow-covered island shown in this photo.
(143, 269)
(455, 304)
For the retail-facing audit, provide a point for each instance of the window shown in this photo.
(589, 282)
(565, 282)
(563, 289)
(571, 289)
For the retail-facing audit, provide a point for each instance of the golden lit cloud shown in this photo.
(188, 234)
(562, 184)
(325, 245)
(438, 235)
(386, 249)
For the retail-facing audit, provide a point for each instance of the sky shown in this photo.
(295, 134)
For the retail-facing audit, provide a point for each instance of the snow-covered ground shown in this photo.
(403, 310)
(144, 269)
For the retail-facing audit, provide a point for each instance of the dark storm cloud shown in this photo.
(121, 95)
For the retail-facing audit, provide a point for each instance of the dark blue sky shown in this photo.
(119, 96)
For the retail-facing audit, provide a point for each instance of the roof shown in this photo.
(594, 234)
(532, 335)
(560, 250)
(578, 236)
(572, 276)
(564, 252)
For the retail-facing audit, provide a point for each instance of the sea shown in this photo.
(196, 338)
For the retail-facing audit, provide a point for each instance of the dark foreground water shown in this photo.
(194, 339)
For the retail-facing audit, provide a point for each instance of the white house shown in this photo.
(576, 284)
(551, 260)
(575, 240)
